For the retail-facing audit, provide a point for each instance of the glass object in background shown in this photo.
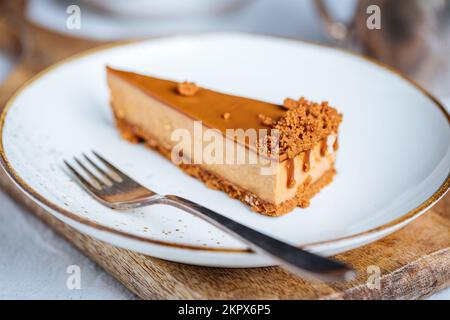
(414, 36)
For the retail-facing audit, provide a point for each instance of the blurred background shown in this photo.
(413, 36)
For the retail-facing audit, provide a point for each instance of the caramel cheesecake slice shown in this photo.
(271, 157)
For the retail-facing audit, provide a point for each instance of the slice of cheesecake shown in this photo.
(272, 157)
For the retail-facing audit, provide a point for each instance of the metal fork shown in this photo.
(118, 191)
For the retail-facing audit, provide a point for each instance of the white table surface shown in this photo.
(34, 260)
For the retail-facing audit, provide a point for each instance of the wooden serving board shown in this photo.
(414, 262)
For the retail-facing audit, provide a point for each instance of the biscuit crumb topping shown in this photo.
(265, 120)
(187, 89)
(290, 103)
(304, 124)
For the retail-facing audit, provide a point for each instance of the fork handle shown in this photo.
(294, 259)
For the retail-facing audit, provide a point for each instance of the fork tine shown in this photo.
(103, 172)
(111, 167)
(89, 172)
(80, 178)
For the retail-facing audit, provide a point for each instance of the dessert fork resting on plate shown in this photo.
(116, 190)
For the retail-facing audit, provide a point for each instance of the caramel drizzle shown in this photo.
(323, 147)
(336, 144)
(290, 166)
(307, 161)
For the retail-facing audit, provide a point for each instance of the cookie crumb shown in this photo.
(226, 115)
(304, 203)
(304, 125)
(290, 104)
(187, 89)
(265, 120)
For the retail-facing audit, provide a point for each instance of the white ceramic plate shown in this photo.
(393, 164)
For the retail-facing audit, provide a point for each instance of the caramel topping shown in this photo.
(336, 144)
(290, 167)
(207, 105)
(187, 89)
(307, 161)
(323, 147)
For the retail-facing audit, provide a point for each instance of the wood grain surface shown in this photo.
(414, 262)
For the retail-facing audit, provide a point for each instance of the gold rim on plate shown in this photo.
(86, 222)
